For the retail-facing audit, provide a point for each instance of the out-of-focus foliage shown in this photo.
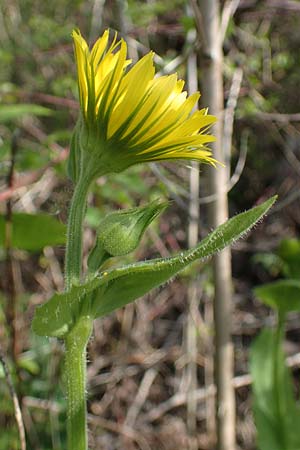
(37, 68)
(275, 408)
(33, 231)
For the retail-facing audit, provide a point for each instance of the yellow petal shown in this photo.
(140, 117)
(133, 90)
(99, 49)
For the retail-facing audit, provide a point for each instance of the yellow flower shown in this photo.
(129, 116)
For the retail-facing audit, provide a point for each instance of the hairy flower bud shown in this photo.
(120, 232)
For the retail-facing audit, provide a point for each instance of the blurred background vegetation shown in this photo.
(137, 355)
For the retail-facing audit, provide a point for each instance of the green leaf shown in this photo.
(57, 316)
(275, 410)
(131, 282)
(283, 295)
(33, 232)
(14, 112)
(117, 287)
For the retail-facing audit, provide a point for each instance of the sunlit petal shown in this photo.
(133, 116)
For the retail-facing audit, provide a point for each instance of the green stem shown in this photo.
(76, 341)
(73, 259)
(75, 381)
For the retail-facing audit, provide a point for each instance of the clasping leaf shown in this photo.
(118, 286)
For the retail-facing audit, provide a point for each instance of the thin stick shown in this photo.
(278, 117)
(228, 11)
(17, 409)
(210, 401)
(213, 96)
(229, 115)
(193, 290)
(140, 398)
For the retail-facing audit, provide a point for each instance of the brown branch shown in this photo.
(202, 394)
(30, 178)
(119, 429)
(40, 97)
(278, 117)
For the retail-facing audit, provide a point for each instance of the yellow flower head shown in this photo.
(133, 116)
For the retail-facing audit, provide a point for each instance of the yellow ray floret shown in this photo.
(134, 116)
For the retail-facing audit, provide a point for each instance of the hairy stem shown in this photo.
(74, 371)
(73, 258)
(75, 382)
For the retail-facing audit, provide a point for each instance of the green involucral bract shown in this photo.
(74, 160)
(120, 233)
(115, 288)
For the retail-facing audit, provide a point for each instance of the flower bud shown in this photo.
(121, 232)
